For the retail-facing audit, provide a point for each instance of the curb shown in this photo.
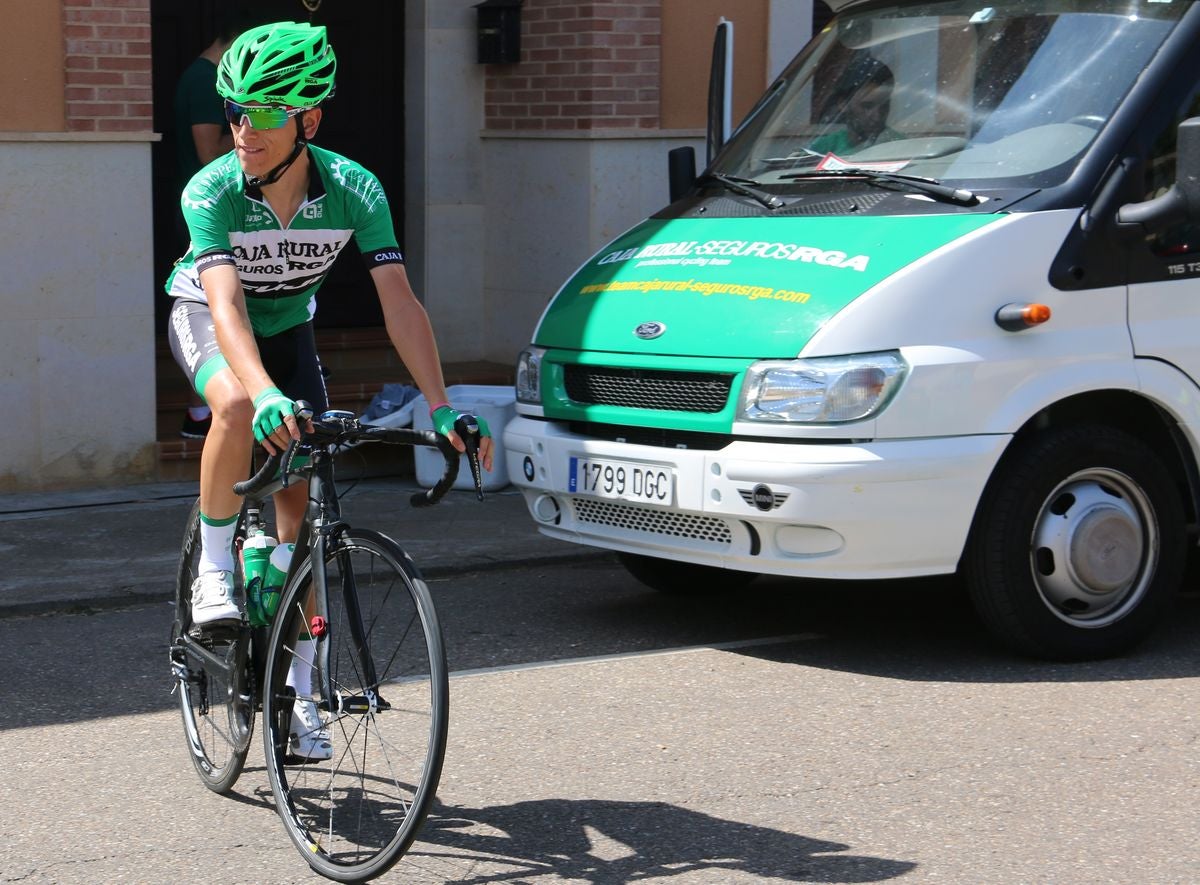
(86, 605)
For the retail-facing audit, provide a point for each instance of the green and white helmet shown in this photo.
(285, 63)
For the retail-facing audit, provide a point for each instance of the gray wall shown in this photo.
(77, 301)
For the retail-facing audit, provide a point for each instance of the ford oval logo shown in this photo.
(646, 331)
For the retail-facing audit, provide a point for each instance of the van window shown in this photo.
(959, 91)
(1178, 239)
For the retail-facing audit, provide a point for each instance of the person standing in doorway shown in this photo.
(201, 135)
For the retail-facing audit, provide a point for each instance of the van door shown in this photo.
(1164, 267)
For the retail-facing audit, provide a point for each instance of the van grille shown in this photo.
(652, 521)
(639, 389)
(660, 437)
(836, 206)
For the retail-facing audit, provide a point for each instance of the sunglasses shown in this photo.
(260, 117)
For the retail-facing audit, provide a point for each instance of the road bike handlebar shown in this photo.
(337, 428)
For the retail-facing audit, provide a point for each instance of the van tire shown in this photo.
(1078, 546)
(683, 578)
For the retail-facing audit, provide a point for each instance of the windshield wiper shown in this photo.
(745, 187)
(930, 186)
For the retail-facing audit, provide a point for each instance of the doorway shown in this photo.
(364, 120)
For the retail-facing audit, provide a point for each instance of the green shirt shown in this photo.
(838, 143)
(281, 266)
(196, 101)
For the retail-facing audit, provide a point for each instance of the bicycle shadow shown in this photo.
(608, 842)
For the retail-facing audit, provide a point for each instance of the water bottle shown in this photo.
(272, 587)
(256, 559)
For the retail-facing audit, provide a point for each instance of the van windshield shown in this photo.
(1010, 93)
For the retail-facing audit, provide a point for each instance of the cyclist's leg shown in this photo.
(291, 359)
(224, 459)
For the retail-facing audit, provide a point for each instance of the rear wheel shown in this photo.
(212, 672)
(1078, 546)
(354, 815)
(683, 578)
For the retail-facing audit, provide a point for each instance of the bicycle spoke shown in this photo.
(355, 813)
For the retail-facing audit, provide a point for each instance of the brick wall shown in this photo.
(107, 65)
(583, 67)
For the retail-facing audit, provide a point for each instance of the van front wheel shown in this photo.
(683, 578)
(1078, 547)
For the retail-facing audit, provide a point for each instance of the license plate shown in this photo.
(622, 480)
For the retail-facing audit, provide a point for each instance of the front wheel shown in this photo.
(1078, 546)
(377, 647)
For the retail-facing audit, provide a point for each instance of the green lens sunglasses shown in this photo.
(260, 117)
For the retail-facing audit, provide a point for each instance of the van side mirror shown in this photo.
(1182, 201)
(681, 171)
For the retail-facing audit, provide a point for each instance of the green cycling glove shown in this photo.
(444, 418)
(270, 408)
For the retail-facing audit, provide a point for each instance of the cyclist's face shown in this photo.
(261, 150)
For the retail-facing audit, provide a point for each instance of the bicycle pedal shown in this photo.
(293, 761)
(219, 632)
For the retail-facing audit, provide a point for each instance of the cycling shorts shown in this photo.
(289, 357)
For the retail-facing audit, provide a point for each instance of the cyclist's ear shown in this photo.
(312, 121)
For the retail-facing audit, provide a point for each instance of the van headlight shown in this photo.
(822, 390)
(529, 375)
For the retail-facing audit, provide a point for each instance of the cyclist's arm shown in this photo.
(235, 337)
(412, 335)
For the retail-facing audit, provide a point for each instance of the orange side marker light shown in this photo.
(1016, 317)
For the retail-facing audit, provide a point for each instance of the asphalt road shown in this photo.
(601, 733)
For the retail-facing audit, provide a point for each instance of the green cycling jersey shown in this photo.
(281, 264)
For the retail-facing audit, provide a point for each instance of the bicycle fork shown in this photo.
(334, 701)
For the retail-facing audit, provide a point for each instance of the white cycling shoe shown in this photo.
(309, 738)
(213, 599)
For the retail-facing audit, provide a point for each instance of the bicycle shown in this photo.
(378, 665)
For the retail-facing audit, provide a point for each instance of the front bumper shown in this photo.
(829, 510)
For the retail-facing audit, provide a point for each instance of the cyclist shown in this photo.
(266, 222)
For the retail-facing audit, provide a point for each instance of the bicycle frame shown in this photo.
(243, 668)
(320, 531)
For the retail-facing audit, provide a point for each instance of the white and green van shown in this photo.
(963, 336)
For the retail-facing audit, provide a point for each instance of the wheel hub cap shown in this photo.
(1105, 549)
(1093, 545)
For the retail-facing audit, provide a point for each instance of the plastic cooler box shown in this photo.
(496, 405)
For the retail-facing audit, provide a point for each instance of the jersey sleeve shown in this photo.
(208, 215)
(370, 216)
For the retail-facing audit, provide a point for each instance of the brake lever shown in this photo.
(467, 429)
(303, 412)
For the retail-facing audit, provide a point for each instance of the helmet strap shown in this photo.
(275, 174)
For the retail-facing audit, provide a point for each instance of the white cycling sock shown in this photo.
(301, 669)
(216, 544)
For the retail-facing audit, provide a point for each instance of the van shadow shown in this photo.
(919, 630)
(612, 842)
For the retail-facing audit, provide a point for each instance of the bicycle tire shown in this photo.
(216, 703)
(354, 816)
